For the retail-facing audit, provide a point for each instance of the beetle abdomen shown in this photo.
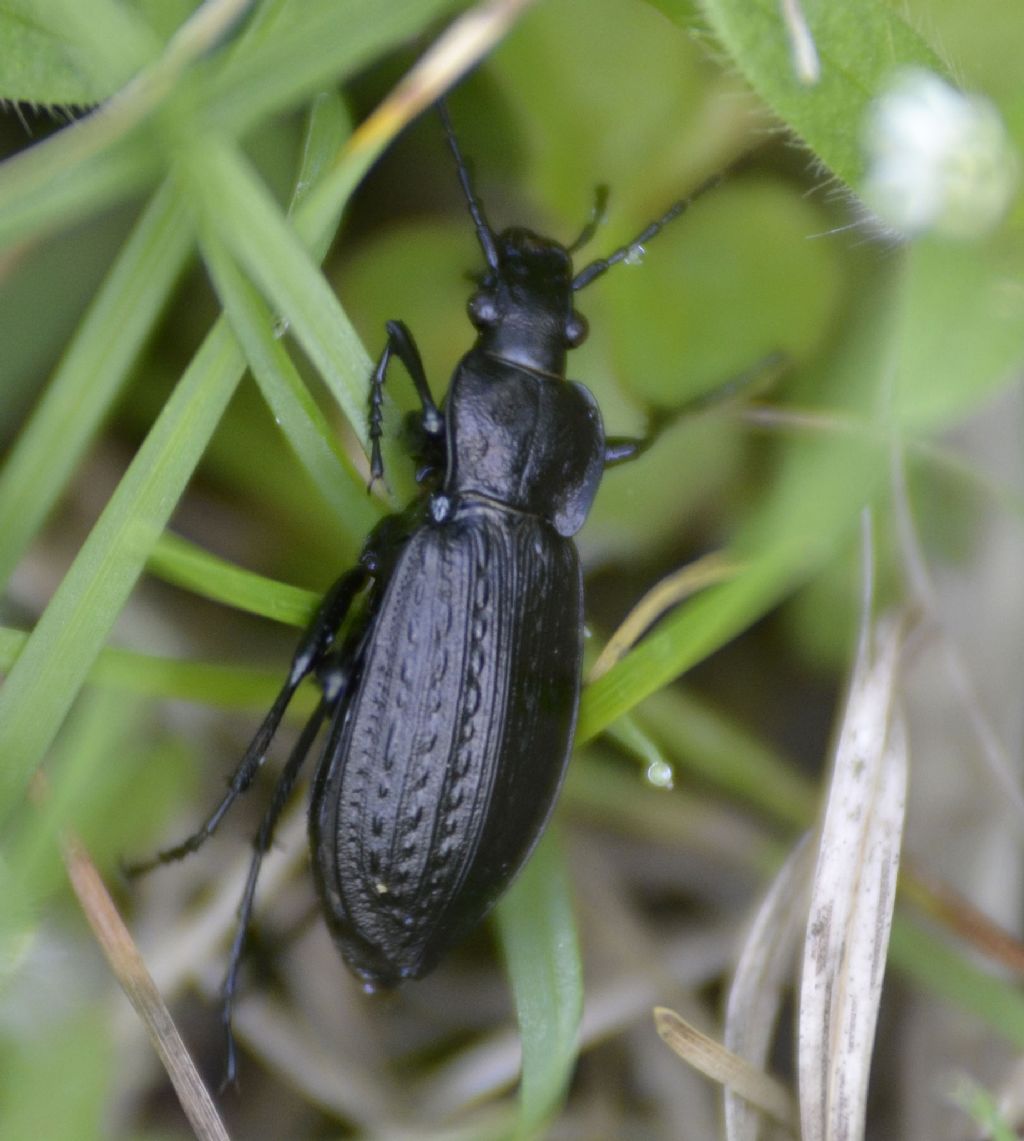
(444, 764)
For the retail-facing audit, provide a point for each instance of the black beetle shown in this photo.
(451, 696)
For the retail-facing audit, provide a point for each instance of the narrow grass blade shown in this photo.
(56, 659)
(288, 60)
(538, 936)
(236, 205)
(736, 1075)
(92, 373)
(176, 560)
(766, 966)
(312, 438)
(127, 964)
(852, 899)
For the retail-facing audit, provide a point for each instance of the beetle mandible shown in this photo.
(451, 697)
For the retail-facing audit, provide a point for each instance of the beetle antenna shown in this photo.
(484, 233)
(596, 218)
(635, 247)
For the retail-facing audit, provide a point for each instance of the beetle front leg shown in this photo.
(400, 343)
(315, 644)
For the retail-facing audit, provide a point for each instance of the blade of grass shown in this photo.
(101, 159)
(55, 661)
(538, 937)
(311, 437)
(689, 635)
(92, 373)
(236, 206)
(176, 560)
(931, 962)
(291, 60)
(227, 685)
(130, 971)
(57, 182)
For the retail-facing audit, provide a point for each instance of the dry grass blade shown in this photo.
(721, 1065)
(765, 966)
(126, 962)
(669, 592)
(852, 898)
(461, 46)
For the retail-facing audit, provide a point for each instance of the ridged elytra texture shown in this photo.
(446, 761)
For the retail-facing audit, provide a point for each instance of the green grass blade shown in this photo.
(290, 60)
(92, 373)
(222, 685)
(312, 437)
(55, 661)
(183, 563)
(236, 205)
(688, 636)
(538, 937)
(935, 965)
(309, 433)
(60, 181)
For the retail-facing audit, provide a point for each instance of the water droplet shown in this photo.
(660, 774)
(635, 255)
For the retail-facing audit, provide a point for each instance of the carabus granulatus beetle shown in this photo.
(450, 699)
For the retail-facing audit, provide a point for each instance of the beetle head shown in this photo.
(523, 308)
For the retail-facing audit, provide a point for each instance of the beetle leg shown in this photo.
(315, 644)
(622, 449)
(261, 845)
(400, 343)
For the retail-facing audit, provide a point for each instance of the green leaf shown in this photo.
(538, 937)
(959, 334)
(858, 43)
(61, 52)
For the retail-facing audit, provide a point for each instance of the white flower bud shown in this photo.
(937, 159)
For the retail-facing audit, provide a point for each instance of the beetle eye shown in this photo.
(575, 331)
(482, 310)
